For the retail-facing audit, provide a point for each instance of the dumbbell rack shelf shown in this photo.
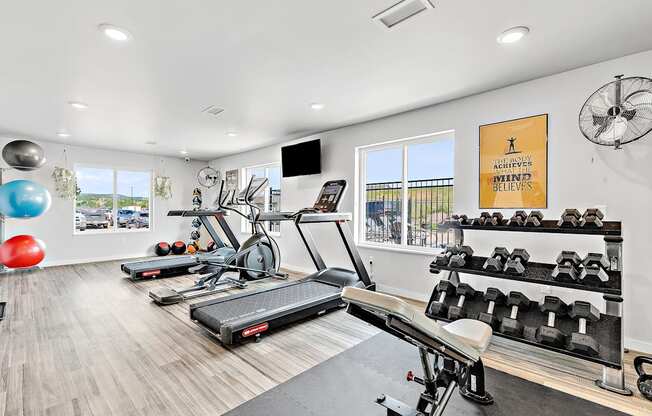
(547, 226)
(540, 273)
(608, 331)
(533, 318)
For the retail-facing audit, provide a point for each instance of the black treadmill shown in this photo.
(178, 265)
(237, 317)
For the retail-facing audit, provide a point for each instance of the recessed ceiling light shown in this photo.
(114, 33)
(183, 152)
(63, 134)
(232, 134)
(78, 105)
(317, 106)
(513, 34)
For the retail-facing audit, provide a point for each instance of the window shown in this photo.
(109, 199)
(270, 200)
(405, 191)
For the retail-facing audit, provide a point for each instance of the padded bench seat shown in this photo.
(468, 336)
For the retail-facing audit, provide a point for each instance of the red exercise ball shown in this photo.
(22, 251)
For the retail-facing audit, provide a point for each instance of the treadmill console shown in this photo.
(330, 196)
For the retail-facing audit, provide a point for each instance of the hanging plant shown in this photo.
(163, 187)
(65, 183)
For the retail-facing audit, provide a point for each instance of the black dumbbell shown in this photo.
(443, 258)
(444, 288)
(548, 334)
(570, 218)
(460, 258)
(510, 324)
(495, 219)
(595, 269)
(495, 297)
(518, 219)
(464, 291)
(580, 341)
(497, 259)
(463, 219)
(592, 218)
(516, 262)
(566, 270)
(484, 216)
(534, 219)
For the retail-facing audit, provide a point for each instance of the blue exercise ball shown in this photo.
(24, 199)
(23, 155)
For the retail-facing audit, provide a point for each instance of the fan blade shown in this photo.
(606, 123)
(605, 99)
(598, 119)
(628, 114)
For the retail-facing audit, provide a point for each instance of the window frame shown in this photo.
(245, 226)
(360, 197)
(114, 212)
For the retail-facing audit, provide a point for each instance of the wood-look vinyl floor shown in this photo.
(83, 340)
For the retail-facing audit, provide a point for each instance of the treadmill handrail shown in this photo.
(195, 212)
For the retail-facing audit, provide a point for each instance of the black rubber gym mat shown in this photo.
(348, 384)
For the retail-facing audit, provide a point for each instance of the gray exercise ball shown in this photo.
(23, 155)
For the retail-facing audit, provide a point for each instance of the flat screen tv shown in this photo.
(301, 159)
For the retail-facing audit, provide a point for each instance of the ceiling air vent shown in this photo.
(212, 110)
(402, 11)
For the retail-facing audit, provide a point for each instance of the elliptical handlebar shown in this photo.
(230, 199)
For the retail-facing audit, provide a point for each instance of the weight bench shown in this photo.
(457, 347)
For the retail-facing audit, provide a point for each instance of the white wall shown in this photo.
(55, 227)
(580, 175)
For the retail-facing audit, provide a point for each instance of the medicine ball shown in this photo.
(179, 247)
(192, 249)
(211, 246)
(195, 235)
(162, 249)
(196, 223)
(644, 382)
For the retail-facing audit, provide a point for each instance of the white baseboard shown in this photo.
(638, 345)
(381, 287)
(630, 343)
(298, 269)
(55, 263)
(404, 293)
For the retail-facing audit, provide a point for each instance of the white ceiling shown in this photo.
(266, 61)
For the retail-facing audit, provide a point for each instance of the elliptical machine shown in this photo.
(257, 258)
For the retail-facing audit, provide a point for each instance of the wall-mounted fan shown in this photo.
(619, 112)
(208, 177)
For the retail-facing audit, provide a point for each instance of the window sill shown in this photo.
(90, 231)
(400, 249)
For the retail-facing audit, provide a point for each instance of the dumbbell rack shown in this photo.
(608, 331)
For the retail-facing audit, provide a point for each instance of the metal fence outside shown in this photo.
(274, 206)
(430, 202)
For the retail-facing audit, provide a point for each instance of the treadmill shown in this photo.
(178, 265)
(235, 318)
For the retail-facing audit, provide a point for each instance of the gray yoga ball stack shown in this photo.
(23, 155)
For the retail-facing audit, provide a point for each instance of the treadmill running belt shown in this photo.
(167, 262)
(217, 314)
